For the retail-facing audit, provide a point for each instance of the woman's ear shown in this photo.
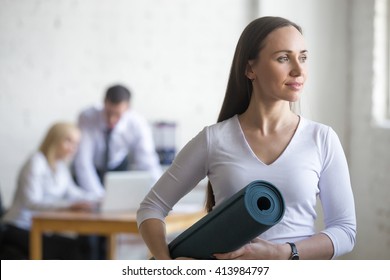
(249, 73)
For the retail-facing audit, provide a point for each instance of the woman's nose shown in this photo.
(297, 69)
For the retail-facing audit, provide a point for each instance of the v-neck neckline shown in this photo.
(282, 154)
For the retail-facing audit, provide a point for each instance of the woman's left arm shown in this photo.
(336, 197)
(74, 193)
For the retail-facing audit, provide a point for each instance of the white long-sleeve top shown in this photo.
(40, 188)
(131, 137)
(313, 164)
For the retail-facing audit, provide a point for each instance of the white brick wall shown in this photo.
(58, 56)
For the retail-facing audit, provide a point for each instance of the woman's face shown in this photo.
(279, 72)
(68, 147)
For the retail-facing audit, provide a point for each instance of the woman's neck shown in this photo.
(268, 118)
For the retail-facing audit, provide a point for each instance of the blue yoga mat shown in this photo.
(235, 222)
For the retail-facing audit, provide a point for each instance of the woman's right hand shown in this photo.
(153, 233)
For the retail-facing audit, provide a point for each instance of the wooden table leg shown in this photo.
(111, 246)
(35, 242)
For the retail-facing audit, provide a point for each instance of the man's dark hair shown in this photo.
(117, 94)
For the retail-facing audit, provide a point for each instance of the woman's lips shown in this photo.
(295, 85)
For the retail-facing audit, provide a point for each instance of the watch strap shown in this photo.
(294, 251)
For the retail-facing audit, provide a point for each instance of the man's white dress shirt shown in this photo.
(131, 137)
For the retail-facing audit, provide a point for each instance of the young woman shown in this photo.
(257, 137)
(45, 183)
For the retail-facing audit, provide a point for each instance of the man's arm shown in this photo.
(85, 171)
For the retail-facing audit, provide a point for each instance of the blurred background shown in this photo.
(59, 56)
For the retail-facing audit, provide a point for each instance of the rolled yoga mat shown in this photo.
(232, 224)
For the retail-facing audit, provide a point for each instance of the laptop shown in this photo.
(125, 190)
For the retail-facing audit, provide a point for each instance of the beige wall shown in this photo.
(369, 141)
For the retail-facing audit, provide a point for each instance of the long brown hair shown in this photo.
(239, 87)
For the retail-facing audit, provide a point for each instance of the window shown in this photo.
(381, 85)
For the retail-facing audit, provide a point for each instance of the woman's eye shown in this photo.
(303, 58)
(283, 59)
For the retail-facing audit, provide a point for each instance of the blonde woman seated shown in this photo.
(45, 183)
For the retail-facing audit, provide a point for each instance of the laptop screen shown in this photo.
(125, 190)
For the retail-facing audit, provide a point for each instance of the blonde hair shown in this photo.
(57, 133)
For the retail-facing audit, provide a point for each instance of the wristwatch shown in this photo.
(294, 251)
